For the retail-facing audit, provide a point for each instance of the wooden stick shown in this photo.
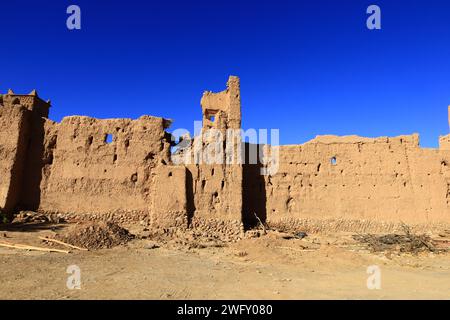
(26, 247)
(260, 222)
(296, 249)
(63, 243)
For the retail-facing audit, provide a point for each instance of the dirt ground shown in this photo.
(320, 266)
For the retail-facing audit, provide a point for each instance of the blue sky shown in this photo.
(306, 67)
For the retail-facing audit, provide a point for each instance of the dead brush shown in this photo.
(241, 254)
(408, 242)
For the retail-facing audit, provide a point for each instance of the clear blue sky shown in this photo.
(306, 67)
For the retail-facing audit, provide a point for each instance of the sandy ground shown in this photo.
(259, 268)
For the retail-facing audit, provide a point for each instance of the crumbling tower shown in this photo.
(30, 101)
(19, 117)
(217, 181)
(223, 110)
(213, 192)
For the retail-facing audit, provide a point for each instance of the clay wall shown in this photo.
(384, 179)
(90, 174)
(93, 166)
(217, 191)
(14, 134)
(215, 185)
(170, 197)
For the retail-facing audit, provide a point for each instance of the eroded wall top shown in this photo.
(102, 166)
(223, 110)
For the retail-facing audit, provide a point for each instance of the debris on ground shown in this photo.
(151, 245)
(96, 235)
(241, 254)
(27, 247)
(444, 234)
(29, 216)
(187, 239)
(287, 235)
(50, 240)
(403, 243)
(35, 217)
(263, 229)
(264, 226)
(300, 235)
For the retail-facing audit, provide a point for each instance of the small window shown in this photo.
(109, 138)
(212, 118)
(333, 161)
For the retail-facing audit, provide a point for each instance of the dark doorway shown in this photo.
(253, 188)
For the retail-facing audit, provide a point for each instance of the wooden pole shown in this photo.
(27, 247)
(63, 243)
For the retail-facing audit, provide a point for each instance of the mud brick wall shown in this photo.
(92, 166)
(38, 160)
(216, 188)
(170, 203)
(14, 134)
(216, 191)
(90, 174)
(383, 179)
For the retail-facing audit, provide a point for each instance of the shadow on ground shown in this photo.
(30, 226)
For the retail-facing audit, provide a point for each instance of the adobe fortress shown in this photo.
(71, 168)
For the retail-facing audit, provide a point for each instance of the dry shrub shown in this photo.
(408, 242)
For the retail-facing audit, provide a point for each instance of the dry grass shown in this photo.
(409, 242)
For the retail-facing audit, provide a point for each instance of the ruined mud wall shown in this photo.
(98, 166)
(14, 133)
(86, 166)
(37, 161)
(383, 179)
(216, 191)
(170, 199)
(214, 185)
